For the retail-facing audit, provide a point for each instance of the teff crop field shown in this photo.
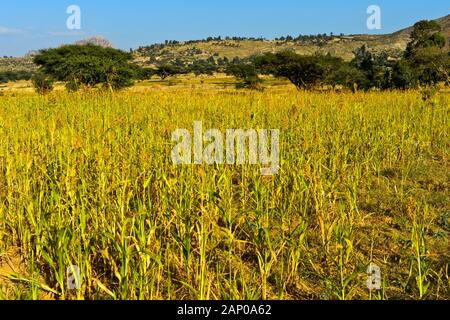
(87, 180)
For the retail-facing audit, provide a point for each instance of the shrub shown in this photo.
(42, 83)
(246, 74)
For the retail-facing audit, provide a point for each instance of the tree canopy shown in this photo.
(246, 73)
(88, 65)
(424, 56)
(425, 34)
(424, 63)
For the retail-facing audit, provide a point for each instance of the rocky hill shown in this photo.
(403, 35)
(97, 41)
(17, 64)
(228, 48)
(218, 48)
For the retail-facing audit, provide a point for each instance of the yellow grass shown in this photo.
(87, 179)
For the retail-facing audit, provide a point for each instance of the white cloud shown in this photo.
(7, 31)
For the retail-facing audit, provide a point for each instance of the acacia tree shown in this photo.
(88, 65)
(246, 74)
(424, 53)
(425, 34)
(303, 71)
(167, 70)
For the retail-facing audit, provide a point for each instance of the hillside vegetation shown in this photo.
(343, 46)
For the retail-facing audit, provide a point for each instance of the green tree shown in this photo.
(425, 54)
(167, 70)
(87, 65)
(347, 76)
(7, 76)
(402, 76)
(425, 34)
(246, 74)
(431, 65)
(42, 83)
(201, 66)
(374, 68)
(303, 71)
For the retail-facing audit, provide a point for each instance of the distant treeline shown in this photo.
(7, 76)
(287, 38)
(423, 63)
(157, 50)
(208, 66)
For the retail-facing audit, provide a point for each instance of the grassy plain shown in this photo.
(87, 179)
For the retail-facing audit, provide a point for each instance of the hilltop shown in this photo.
(97, 41)
(343, 46)
(222, 49)
(403, 35)
(230, 48)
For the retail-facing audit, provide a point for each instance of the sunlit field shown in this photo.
(87, 179)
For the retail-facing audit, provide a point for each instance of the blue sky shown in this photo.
(29, 24)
